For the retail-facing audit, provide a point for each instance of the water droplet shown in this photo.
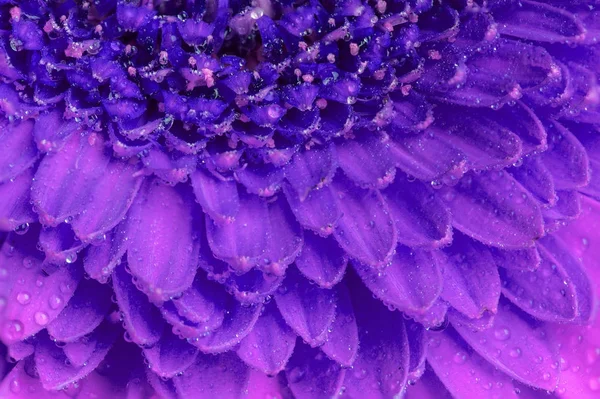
(515, 352)
(23, 298)
(502, 334)
(27, 262)
(15, 386)
(460, 357)
(41, 318)
(13, 330)
(22, 229)
(71, 258)
(54, 301)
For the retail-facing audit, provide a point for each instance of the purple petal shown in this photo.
(241, 243)
(420, 217)
(490, 77)
(515, 347)
(539, 22)
(15, 208)
(412, 282)
(254, 286)
(484, 142)
(222, 377)
(366, 160)
(516, 220)
(79, 352)
(311, 169)
(110, 199)
(51, 130)
(270, 344)
(170, 355)
(566, 158)
(265, 386)
(18, 149)
(471, 280)
(20, 350)
(238, 323)
(322, 260)
(542, 292)
(60, 244)
(37, 300)
(424, 156)
(101, 258)
(55, 371)
(262, 180)
(143, 321)
(366, 230)
(567, 208)
(381, 367)
(435, 317)
(163, 248)
(65, 180)
(318, 212)
(463, 372)
(218, 197)
(84, 312)
(417, 347)
(535, 177)
(342, 341)
(203, 302)
(427, 387)
(521, 120)
(520, 259)
(306, 308)
(586, 299)
(286, 237)
(311, 375)
(18, 384)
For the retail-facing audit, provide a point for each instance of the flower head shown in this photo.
(309, 199)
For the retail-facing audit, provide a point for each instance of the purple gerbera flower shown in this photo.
(299, 199)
